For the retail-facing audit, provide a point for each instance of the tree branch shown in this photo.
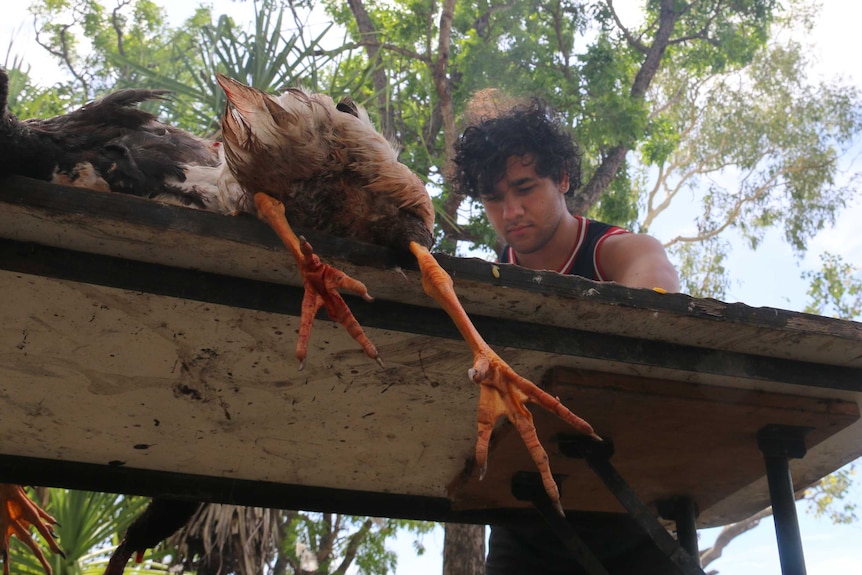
(633, 42)
(613, 160)
(327, 540)
(412, 54)
(353, 547)
(117, 25)
(443, 87)
(734, 211)
(559, 20)
(65, 55)
(730, 532)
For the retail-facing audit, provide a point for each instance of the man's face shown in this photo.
(525, 208)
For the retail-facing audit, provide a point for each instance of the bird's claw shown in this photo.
(479, 372)
(17, 514)
(483, 470)
(504, 392)
(322, 283)
(501, 390)
(558, 507)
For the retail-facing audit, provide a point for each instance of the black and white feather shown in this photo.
(111, 144)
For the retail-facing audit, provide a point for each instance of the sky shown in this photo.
(829, 549)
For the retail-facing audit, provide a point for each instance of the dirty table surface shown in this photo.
(149, 349)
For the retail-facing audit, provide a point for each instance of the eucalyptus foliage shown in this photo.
(836, 289)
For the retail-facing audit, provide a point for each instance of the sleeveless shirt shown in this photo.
(584, 258)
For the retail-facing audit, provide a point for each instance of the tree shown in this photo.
(836, 289)
(759, 147)
(219, 540)
(131, 45)
(86, 37)
(464, 549)
(28, 100)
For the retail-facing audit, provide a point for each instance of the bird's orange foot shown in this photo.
(322, 283)
(501, 390)
(17, 514)
(504, 392)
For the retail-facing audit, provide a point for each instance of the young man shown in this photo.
(521, 165)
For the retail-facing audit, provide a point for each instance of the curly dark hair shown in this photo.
(535, 130)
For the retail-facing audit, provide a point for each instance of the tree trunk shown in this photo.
(464, 549)
(381, 84)
(443, 87)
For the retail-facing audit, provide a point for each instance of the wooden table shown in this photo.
(149, 349)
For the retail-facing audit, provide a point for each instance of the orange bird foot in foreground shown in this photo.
(501, 391)
(17, 514)
(321, 281)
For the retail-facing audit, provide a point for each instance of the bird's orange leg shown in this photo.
(501, 391)
(321, 282)
(17, 514)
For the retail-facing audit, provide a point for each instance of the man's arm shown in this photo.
(637, 260)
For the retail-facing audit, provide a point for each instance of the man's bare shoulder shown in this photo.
(638, 260)
(631, 245)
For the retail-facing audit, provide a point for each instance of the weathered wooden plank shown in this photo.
(241, 246)
(128, 323)
(277, 298)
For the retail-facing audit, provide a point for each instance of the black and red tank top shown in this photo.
(584, 258)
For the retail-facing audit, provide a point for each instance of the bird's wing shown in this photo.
(257, 126)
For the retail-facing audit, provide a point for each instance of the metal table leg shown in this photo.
(780, 443)
(683, 512)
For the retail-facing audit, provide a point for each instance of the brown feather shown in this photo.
(332, 170)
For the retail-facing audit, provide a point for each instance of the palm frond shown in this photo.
(229, 538)
(86, 521)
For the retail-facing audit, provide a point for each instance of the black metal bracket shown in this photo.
(683, 512)
(527, 486)
(597, 455)
(779, 444)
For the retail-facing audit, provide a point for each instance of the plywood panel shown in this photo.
(671, 439)
(157, 338)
